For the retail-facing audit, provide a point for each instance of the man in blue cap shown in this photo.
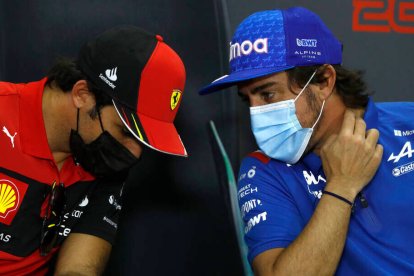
(331, 187)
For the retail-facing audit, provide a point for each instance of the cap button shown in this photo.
(159, 38)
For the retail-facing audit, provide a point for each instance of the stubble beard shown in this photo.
(314, 108)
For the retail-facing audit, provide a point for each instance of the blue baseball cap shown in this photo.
(273, 41)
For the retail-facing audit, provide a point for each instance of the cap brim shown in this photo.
(237, 77)
(158, 135)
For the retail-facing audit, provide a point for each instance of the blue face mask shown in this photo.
(278, 131)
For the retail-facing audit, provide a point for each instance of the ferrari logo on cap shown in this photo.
(175, 98)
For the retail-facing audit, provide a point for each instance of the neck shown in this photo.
(331, 121)
(54, 108)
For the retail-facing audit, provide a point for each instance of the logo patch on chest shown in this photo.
(405, 153)
(11, 196)
(313, 183)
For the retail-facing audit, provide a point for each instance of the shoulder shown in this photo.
(253, 161)
(395, 104)
(261, 160)
(7, 88)
(396, 109)
(259, 169)
(9, 106)
(395, 115)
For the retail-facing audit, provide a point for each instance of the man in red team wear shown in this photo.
(67, 143)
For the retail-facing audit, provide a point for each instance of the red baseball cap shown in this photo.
(145, 79)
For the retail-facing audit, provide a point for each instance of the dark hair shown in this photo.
(65, 73)
(349, 84)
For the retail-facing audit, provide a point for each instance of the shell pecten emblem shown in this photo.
(175, 98)
(8, 197)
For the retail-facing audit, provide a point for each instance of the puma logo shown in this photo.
(6, 131)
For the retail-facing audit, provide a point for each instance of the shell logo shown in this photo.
(9, 197)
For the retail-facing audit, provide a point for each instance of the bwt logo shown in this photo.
(306, 42)
(247, 47)
(383, 16)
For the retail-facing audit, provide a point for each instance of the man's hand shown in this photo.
(351, 157)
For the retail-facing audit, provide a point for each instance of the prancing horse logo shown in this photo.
(175, 98)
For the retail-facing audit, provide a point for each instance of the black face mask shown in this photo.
(105, 156)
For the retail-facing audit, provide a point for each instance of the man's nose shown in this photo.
(255, 101)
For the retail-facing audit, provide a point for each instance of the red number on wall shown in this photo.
(383, 16)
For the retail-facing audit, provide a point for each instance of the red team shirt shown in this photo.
(27, 171)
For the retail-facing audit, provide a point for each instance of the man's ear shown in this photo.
(81, 96)
(327, 81)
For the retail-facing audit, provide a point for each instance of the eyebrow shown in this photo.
(263, 87)
(258, 89)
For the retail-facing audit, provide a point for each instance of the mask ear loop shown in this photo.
(100, 120)
(303, 89)
(306, 85)
(77, 121)
(320, 114)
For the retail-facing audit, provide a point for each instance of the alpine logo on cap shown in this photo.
(175, 98)
(11, 195)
